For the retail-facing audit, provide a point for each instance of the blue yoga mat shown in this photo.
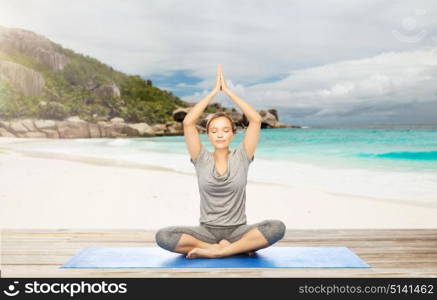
(271, 257)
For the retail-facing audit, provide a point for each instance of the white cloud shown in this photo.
(338, 54)
(251, 39)
(343, 87)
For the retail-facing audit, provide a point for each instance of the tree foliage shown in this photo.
(72, 91)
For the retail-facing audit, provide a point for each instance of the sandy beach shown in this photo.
(61, 191)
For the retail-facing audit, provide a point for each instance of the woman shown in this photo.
(222, 178)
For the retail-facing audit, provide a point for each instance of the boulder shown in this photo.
(274, 112)
(5, 133)
(268, 119)
(110, 129)
(203, 120)
(51, 133)
(235, 116)
(180, 113)
(174, 128)
(17, 127)
(75, 119)
(118, 130)
(107, 91)
(103, 91)
(29, 125)
(201, 129)
(104, 128)
(159, 129)
(244, 121)
(139, 129)
(4, 124)
(117, 120)
(94, 130)
(44, 124)
(21, 78)
(73, 129)
(102, 118)
(38, 47)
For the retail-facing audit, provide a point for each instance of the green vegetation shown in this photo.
(211, 109)
(72, 92)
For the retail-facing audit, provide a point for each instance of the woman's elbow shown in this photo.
(257, 119)
(187, 121)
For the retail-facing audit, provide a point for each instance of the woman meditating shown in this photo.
(222, 178)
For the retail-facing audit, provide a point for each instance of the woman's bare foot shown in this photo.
(214, 246)
(213, 249)
(211, 252)
(224, 243)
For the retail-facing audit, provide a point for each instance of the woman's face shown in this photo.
(220, 132)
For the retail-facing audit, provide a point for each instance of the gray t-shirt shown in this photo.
(222, 197)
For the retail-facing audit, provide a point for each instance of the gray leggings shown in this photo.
(168, 237)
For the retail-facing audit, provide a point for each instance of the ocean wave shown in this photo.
(408, 155)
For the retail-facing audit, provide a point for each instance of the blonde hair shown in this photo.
(218, 115)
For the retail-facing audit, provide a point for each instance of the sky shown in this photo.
(317, 62)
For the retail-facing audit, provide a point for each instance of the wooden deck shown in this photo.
(390, 252)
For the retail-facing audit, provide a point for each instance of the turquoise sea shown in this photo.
(397, 162)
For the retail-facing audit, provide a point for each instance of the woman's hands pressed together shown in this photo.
(220, 82)
(224, 86)
(218, 85)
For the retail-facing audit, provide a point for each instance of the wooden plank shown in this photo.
(390, 252)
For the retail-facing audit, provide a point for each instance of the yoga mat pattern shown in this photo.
(272, 257)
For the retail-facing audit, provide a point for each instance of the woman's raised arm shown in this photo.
(192, 138)
(253, 130)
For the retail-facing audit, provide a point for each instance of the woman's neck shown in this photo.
(221, 154)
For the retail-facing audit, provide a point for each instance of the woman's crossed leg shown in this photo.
(197, 241)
